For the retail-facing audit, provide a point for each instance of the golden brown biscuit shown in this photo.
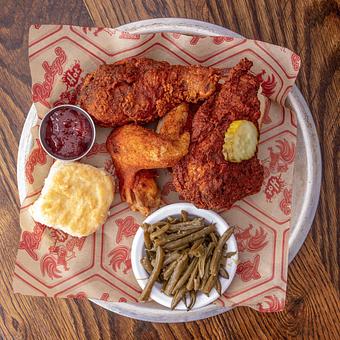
(76, 198)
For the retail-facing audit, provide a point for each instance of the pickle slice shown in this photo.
(240, 141)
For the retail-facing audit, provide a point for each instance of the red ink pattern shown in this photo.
(30, 241)
(285, 203)
(104, 297)
(126, 227)
(296, 61)
(72, 75)
(95, 32)
(37, 156)
(80, 295)
(120, 255)
(268, 85)
(42, 91)
(248, 270)
(194, 40)
(273, 187)
(126, 35)
(60, 253)
(279, 160)
(220, 40)
(97, 148)
(274, 304)
(246, 241)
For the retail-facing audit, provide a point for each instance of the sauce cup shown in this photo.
(66, 128)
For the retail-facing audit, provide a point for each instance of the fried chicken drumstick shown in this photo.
(203, 176)
(141, 90)
(136, 150)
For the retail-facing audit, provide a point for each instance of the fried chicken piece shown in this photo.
(172, 125)
(141, 90)
(203, 176)
(135, 150)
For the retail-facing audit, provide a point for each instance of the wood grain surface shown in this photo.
(309, 27)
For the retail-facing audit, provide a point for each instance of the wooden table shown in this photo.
(309, 27)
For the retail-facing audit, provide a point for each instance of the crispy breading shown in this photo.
(135, 149)
(140, 90)
(203, 176)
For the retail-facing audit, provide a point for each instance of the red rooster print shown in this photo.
(268, 85)
(246, 241)
(120, 255)
(60, 253)
(274, 304)
(30, 241)
(279, 160)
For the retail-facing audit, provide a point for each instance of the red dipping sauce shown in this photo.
(67, 132)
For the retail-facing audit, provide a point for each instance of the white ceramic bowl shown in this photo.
(138, 251)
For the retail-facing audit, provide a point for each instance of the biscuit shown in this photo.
(76, 198)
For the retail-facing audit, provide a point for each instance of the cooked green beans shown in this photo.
(184, 254)
(154, 275)
(190, 238)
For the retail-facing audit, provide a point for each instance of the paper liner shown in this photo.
(52, 263)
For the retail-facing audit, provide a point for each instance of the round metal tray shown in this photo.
(307, 174)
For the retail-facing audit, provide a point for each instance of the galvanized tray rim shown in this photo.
(313, 170)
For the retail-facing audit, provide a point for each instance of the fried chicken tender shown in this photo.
(203, 176)
(136, 150)
(142, 90)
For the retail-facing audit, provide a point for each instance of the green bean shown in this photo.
(223, 272)
(164, 286)
(197, 222)
(180, 248)
(184, 216)
(198, 252)
(213, 237)
(153, 227)
(154, 275)
(204, 259)
(168, 238)
(216, 258)
(209, 284)
(147, 240)
(190, 284)
(192, 299)
(206, 273)
(159, 232)
(171, 257)
(181, 282)
(151, 254)
(197, 283)
(196, 244)
(145, 226)
(190, 238)
(185, 300)
(172, 219)
(167, 273)
(146, 264)
(218, 286)
(179, 269)
(229, 254)
(177, 298)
